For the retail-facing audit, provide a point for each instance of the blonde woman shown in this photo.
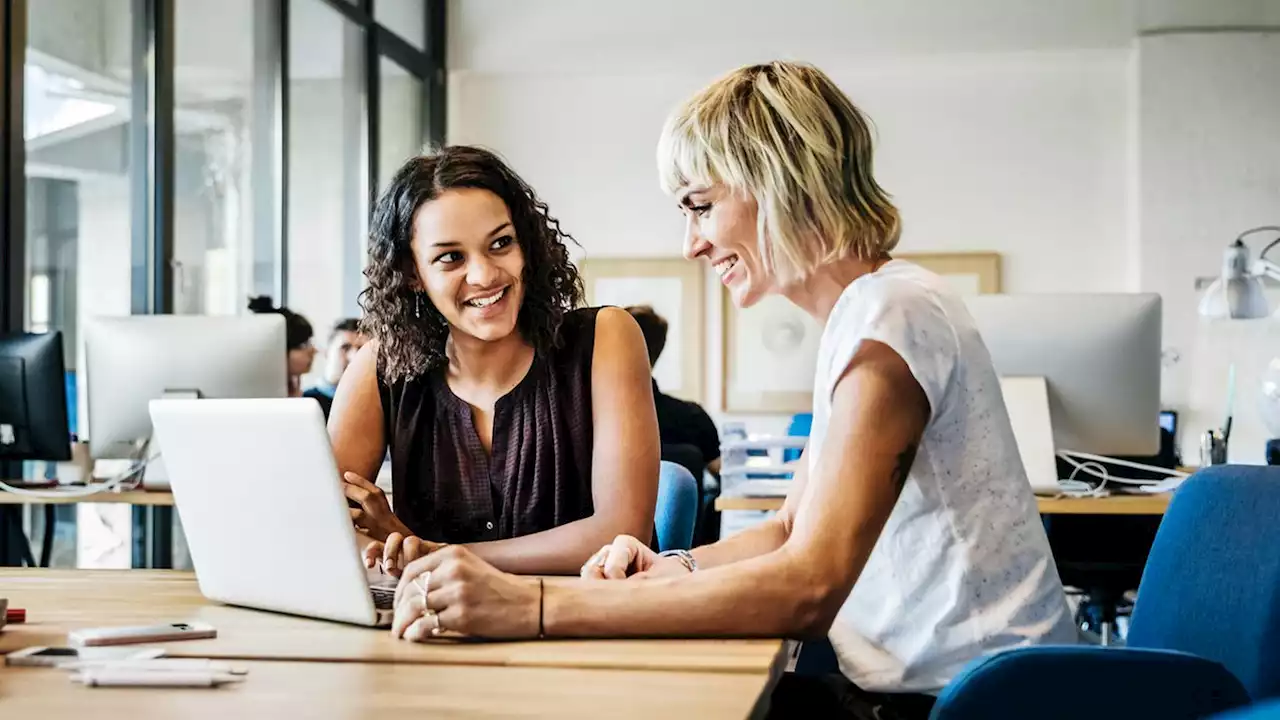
(910, 536)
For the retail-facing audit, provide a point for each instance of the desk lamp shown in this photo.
(1237, 293)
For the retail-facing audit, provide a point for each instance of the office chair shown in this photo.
(677, 510)
(1269, 710)
(801, 425)
(1212, 583)
(1205, 635)
(1087, 681)
(706, 526)
(1104, 555)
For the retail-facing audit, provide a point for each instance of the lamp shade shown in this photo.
(1235, 299)
(1237, 294)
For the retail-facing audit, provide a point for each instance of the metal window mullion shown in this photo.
(13, 48)
(152, 149)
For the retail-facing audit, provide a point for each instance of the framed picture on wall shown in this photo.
(970, 273)
(770, 350)
(674, 288)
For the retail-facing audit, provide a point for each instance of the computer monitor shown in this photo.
(1100, 354)
(133, 360)
(33, 399)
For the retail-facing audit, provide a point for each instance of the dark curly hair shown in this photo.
(410, 346)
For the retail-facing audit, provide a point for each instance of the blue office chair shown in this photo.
(1212, 582)
(1269, 710)
(1089, 681)
(800, 426)
(677, 512)
(1208, 604)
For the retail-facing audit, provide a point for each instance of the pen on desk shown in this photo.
(108, 677)
(159, 665)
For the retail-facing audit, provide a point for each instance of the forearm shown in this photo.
(769, 596)
(561, 550)
(757, 540)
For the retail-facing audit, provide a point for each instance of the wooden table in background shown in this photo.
(152, 521)
(1111, 505)
(148, 498)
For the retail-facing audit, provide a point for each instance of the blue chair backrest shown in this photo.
(1048, 682)
(1211, 585)
(1269, 710)
(677, 511)
(801, 425)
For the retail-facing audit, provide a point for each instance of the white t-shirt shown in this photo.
(963, 565)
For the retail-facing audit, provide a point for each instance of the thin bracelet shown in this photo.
(542, 633)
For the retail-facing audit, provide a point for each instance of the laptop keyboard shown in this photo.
(384, 596)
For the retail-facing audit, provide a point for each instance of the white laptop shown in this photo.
(263, 510)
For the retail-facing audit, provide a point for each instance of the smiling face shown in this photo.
(720, 227)
(471, 267)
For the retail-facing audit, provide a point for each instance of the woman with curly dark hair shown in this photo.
(517, 424)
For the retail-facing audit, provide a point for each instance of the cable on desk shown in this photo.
(1073, 458)
(86, 491)
(1079, 488)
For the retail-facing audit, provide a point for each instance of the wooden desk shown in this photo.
(1111, 505)
(359, 690)
(130, 497)
(61, 600)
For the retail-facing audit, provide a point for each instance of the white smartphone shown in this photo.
(56, 656)
(94, 637)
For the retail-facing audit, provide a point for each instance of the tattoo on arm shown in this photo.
(906, 459)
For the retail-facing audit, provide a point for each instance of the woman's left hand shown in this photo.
(374, 516)
(466, 595)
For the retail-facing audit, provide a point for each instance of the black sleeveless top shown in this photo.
(446, 488)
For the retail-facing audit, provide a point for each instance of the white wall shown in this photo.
(1019, 152)
(712, 36)
(1210, 168)
(1097, 145)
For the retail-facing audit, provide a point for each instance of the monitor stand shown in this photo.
(155, 476)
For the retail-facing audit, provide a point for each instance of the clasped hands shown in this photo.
(447, 589)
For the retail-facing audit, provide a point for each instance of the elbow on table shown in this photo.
(818, 597)
(816, 613)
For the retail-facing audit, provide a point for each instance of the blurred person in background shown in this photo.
(298, 336)
(345, 340)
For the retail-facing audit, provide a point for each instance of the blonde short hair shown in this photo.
(788, 136)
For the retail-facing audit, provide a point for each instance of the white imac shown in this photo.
(1100, 356)
(133, 360)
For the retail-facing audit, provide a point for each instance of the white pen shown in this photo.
(105, 677)
(159, 665)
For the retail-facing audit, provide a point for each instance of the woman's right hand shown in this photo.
(374, 516)
(394, 555)
(629, 557)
